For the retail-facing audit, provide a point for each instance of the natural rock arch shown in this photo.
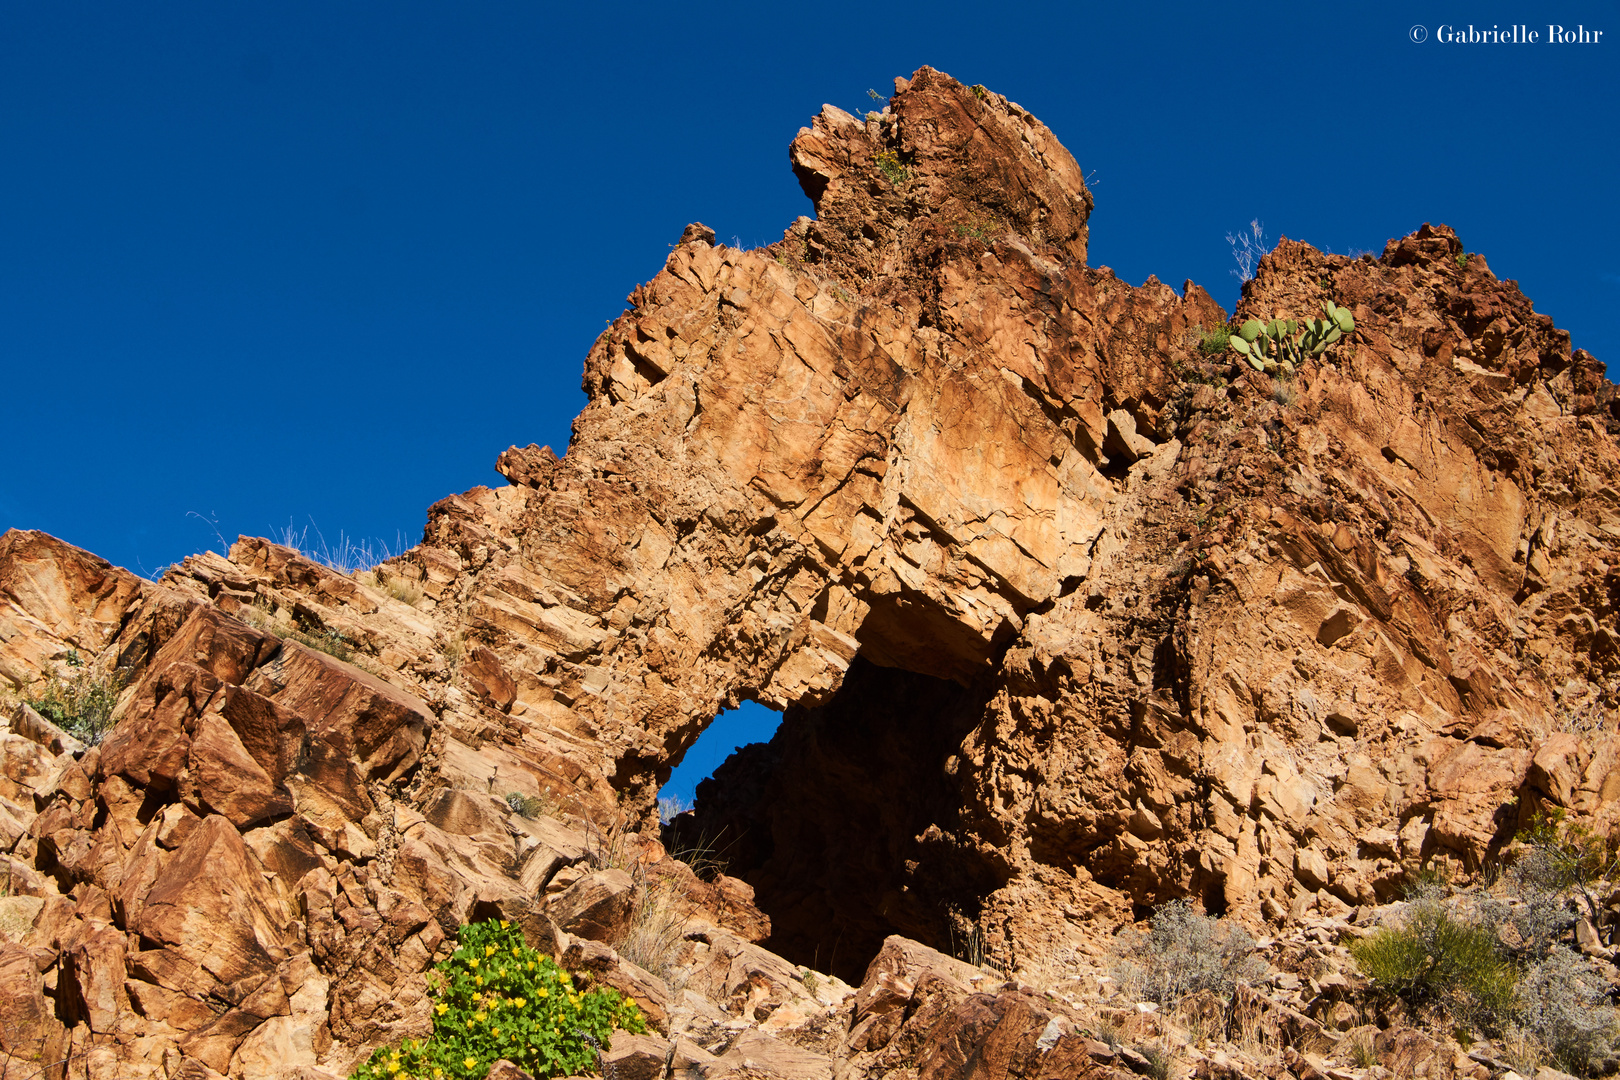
(1125, 622)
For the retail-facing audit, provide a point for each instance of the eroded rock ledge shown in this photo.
(1067, 620)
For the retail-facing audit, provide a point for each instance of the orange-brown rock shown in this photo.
(1067, 619)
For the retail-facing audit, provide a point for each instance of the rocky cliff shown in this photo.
(1067, 619)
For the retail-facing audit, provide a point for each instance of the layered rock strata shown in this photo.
(1067, 619)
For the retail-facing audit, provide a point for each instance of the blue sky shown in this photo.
(263, 264)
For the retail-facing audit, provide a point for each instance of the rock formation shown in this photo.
(1067, 618)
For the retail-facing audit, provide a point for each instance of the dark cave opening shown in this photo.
(847, 822)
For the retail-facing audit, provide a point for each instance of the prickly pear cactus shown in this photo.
(1281, 345)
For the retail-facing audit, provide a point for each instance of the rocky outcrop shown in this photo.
(1314, 647)
(1067, 619)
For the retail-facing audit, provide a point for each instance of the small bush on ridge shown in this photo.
(1532, 915)
(497, 998)
(1214, 343)
(528, 806)
(82, 704)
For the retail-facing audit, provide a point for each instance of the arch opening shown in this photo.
(847, 822)
(727, 733)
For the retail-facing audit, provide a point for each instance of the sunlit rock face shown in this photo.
(1067, 618)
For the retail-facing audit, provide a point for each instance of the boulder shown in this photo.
(597, 906)
(636, 1057)
(756, 1054)
(604, 967)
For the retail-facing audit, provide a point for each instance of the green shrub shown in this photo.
(1159, 1061)
(1214, 342)
(528, 806)
(497, 998)
(1437, 958)
(82, 704)
(1362, 1048)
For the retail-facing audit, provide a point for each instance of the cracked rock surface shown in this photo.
(1067, 619)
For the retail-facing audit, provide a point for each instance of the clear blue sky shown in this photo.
(750, 723)
(301, 262)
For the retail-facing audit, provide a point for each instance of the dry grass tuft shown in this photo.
(656, 930)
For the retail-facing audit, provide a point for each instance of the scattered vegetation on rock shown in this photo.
(495, 998)
(1436, 956)
(889, 164)
(82, 703)
(1213, 343)
(1185, 951)
(1495, 958)
(1561, 854)
(653, 934)
(1065, 619)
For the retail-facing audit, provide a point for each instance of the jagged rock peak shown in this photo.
(940, 158)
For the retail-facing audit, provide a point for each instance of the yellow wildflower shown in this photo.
(489, 950)
(504, 924)
(470, 1062)
(441, 1008)
(542, 992)
(519, 1002)
(473, 963)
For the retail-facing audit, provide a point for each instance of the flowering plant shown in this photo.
(497, 998)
